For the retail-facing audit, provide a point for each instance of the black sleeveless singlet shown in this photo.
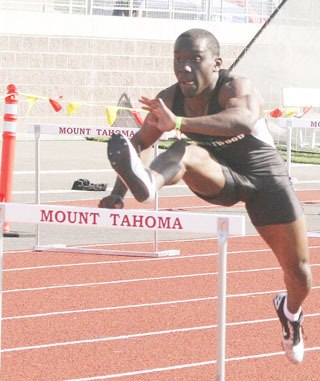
(213, 107)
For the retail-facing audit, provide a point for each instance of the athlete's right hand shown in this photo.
(111, 202)
(160, 116)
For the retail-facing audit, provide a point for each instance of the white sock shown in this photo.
(290, 315)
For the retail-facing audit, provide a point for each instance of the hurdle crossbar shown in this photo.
(220, 225)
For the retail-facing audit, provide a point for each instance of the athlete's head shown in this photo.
(196, 61)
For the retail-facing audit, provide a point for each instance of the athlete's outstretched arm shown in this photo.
(241, 108)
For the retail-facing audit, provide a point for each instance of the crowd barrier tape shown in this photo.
(221, 226)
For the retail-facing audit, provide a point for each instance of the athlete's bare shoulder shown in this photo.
(234, 81)
(238, 86)
(167, 95)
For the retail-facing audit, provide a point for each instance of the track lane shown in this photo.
(192, 352)
(152, 351)
(68, 325)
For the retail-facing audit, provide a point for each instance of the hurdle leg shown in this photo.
(2, 221)
(37, 136)
(156, 205)
(222, 291)
(289, 144)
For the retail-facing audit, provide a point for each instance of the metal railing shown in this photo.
(244, 11)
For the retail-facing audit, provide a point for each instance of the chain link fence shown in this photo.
(242, 11)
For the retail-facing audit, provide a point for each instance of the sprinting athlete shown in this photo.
(229, 157)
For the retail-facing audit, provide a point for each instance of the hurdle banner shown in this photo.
(86, 131)
(222, 226)
(120, 218)
(82, 131)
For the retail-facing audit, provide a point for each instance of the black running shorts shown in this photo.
(256, 174)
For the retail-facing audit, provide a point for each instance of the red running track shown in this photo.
(87, 317)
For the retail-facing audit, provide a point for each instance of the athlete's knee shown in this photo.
(300, 274)
(179, 147)
(196, 157)
(174, 153)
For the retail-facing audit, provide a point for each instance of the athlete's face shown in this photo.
(195, 67)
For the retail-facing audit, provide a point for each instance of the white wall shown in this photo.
(94, 59)
(118, 27)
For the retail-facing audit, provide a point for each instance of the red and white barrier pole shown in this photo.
(8, 146)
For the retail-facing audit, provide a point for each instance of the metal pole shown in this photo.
(208, 10)
(171, 14)
(89, 7)
(37, 176)
(247, 12)
(156, 204)
(289, 145)
(222, 292)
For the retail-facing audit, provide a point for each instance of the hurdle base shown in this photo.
(15, 234)
(314, 234)
(80, 250)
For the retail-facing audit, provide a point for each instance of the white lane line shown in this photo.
(112, 308)
(155, 304)
(137, 243)
(179, 258)
(183, 276)
(132, 260)
(146, 371)
(176, 186)
(63, 171)
(133, 336)
(109, 338)
(183, 366)
(57, 191)
(135, 280)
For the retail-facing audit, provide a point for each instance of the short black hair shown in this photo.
(213, 43)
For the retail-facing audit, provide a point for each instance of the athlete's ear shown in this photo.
(217, 64)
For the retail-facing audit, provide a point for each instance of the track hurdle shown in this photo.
(298, 97)
(295, 123)
(89, 131)
(222, 226)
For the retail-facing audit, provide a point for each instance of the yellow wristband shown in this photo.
(178, 127)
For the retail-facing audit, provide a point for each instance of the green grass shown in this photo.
(305, 157)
